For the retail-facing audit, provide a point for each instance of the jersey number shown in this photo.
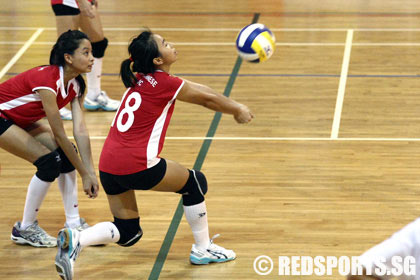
(129, 111)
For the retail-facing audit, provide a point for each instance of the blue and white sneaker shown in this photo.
(102, 102)
(213, 254)
(68, 250)
(33, 235)
(66, 114)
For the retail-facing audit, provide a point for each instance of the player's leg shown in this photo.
(20, 143)
(125, 231)
(67, 180)
(192, 184)
(96, 98)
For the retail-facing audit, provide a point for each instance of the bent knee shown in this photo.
(130, 231)
(194, 190)
(48, 166)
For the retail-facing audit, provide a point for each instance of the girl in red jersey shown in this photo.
(30, 96)
(130, 156)
(75, 14)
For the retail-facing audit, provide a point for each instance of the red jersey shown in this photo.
(138, 130)
(19, 100)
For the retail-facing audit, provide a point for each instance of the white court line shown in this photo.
(342, 85)
(181, 29)
(408, 44)
(309, 139)
(20, 52)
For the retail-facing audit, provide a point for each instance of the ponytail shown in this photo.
(142, 50)
(127, 76)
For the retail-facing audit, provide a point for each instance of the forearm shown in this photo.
(215, 101)
(221, 103)
(83, 143)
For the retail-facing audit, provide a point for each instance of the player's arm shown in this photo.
(203, 95)
(49, 103)
(81, 135)
(86, 8)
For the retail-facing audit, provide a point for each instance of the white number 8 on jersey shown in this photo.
(129, 110)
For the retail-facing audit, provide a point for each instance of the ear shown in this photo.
(68, 58)
(157, 61)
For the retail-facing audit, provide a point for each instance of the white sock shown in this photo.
(196, 216)
(68, 188)
(36, 193)
(102, 233)
(94, 79)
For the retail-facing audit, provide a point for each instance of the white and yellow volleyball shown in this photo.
(255, 43)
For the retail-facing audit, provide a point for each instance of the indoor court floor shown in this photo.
(328, 167)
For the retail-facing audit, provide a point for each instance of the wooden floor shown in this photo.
(310, 176)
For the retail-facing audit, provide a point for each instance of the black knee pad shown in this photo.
(194, 190)
(66, 165)
(130, 231)
(98, 48)
(48, 166)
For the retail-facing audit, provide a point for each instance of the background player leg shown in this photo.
(18, 142)
(96, 98)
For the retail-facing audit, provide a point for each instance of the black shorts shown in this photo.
(5, 124)
(63, 10)
(143, 180)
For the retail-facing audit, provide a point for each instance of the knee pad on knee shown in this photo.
(130, 231)
(194, 190)
(98, 48)
(66, 165)
(48, 166)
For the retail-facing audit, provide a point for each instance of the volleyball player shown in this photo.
(30, 96)
(130, 157)
(83, 14)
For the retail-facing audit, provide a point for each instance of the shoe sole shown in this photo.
(63, 237)
(208, 261)
(21, 241)
(60, 271)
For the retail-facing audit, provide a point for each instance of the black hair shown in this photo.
(68, 42)
(142, 50)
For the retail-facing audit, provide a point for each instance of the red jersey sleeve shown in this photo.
(43, 77)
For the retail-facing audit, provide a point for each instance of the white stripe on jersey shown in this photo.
(70, 3)
(153, 145)
(20, 101)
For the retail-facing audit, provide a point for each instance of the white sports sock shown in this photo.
(68, 188)
(94, 79)
(36, 193)
(196, 216)
(102, 233)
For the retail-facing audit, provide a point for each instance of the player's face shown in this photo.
(166, 50)
(82, 59)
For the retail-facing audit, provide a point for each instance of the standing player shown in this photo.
(72, 14)
(130, 156)
(27, 98)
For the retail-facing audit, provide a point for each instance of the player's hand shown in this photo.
(243, 115)
(90, 185)
(86, 8)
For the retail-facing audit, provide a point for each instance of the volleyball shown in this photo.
(255, 43)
